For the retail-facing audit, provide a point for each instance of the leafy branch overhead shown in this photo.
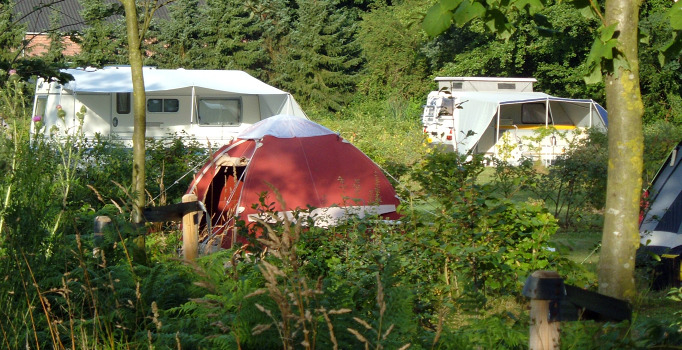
(673, 48)
(499, 17)
(495, 14)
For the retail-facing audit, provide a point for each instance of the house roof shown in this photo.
(35, 14)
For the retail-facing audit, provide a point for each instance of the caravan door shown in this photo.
(121, 119)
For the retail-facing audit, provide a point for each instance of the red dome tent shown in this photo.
(307, 163)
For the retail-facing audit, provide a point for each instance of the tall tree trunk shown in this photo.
(620, 238)
(139, 108)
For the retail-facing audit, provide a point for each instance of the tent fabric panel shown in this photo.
(603, 114)
(284, 126)
(476, 114)
(346, 169)
(660, 241)
(315, 178)
(203, 178)
(280, 165)
(570, 113)
(306, 172)
(664, 190)
(672, 217)
(666, 172)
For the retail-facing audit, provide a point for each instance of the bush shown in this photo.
(486, 242)
(660, 137)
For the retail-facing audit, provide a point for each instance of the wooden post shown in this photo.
(544, 335)
(190, 231)
(545, 289)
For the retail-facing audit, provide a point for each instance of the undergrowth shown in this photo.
(448, 275)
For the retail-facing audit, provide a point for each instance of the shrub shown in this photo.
(486, 244)
(660, 138)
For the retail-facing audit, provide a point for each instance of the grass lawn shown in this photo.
(582, 247)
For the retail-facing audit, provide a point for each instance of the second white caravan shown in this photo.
(505, 119)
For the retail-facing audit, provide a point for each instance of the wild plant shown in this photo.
(483, 244)
(575, 185)
(511, 180)
(295, 294)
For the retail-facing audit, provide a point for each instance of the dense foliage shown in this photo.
(447, 276)
(336, 54)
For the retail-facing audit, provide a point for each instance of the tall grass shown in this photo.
(446, 278)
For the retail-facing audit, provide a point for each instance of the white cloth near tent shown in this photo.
(284, 126)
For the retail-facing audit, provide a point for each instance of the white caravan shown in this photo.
(211, 105)
(505, 119)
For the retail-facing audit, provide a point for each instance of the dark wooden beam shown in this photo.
(173, 212)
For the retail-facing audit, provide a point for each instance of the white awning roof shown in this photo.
(118, 79)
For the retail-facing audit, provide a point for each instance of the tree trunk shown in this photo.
(620, 238)
(139, 108)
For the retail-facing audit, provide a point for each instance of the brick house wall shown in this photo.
(39, 44)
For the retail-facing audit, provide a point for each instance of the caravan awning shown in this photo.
(185, 82)
(479, 109)
(118, 79)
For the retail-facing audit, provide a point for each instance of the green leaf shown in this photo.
(497, 22)
(468, 11)
(438, 19)
(607, 32)
(594, 76)
(595, 55)
(675, 14)
(608, 48)
(531, 6)
(644, 36)
(671, 50)
(585, 8)
(451, 4)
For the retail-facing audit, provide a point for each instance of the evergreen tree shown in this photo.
(321, 61)
(12, 45)
(54, 52)
(11, 34)
(233, 35)
(103, 40)
(178, 38)
(391, 42)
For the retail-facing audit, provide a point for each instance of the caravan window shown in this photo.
(447, 107)
(219, 111)
(41, 106)
(167, 105)
(123, 102)
(534, 113)
(171, 105)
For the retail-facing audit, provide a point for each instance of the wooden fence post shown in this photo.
(190, 230)
(546, 290)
